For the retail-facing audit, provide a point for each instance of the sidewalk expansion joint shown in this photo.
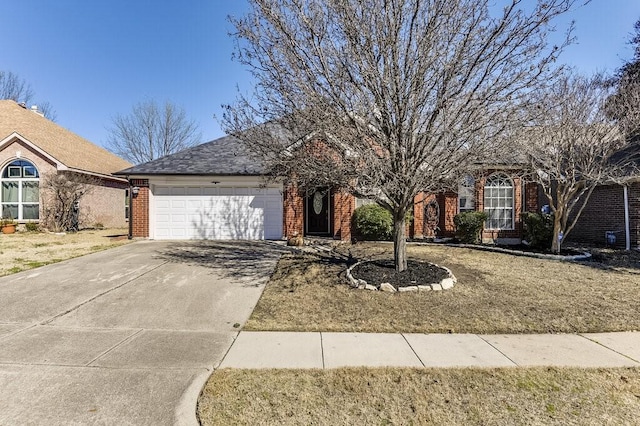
(215, 367)
(608, 348)
(324, 367)
(502, 353)
(47, 321)
(412, 350)
(117, 345)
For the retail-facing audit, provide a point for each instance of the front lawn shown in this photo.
(495, 293)
(522, 396)
(28, 250)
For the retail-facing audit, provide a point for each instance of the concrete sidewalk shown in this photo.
(333, 350)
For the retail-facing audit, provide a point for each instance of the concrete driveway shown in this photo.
(124, 336)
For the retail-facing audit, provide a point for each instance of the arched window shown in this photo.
(498, 202)
(20, 191)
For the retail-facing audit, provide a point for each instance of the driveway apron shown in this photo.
(124, 336)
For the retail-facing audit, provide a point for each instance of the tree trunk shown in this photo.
(399, 243)
(558, 232)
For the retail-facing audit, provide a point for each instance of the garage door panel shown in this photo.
(217, 213)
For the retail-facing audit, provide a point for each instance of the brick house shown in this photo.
(216, 191)
(611, 209)
(33, 147)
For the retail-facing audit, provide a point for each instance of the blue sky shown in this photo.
(93, 59)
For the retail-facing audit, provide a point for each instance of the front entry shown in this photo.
(317, 212)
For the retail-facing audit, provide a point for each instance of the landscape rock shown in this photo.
(424, 287)
(447, 283)
(408, 288)
(387, 287)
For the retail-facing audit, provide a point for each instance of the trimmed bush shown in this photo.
(538, 229)
(372, 222)
(469, 226)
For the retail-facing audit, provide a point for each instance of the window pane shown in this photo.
(9, 192)
(29, 172)
(10, 211)
(30, 211)
(30, 192)
(14, 171)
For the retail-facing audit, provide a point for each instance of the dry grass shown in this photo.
(533, 396)
(496, 293)
(27, 250)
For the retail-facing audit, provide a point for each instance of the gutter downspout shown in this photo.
(130, 236)
(627, 229)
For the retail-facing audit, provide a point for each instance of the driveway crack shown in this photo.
(76, 307)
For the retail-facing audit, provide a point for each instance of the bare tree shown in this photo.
(15, 88)
(404, 95)
(624, 105)
(62, 193)
(150, 131)
(573, 147)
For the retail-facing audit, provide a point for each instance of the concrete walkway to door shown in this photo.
(124, 336)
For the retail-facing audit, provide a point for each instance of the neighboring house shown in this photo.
(32, 147)
(611, 210)
(216, 191)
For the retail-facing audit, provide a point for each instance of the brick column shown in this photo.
(140, 209)
(293, 212)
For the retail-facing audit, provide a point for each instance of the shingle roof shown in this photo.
(63, 145)
(222, 157)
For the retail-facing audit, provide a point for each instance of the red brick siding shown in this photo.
(140, 209)
(604, 212)
(293, 212)
(448, 205)
(531, 197)
(343, 206)
(634, 214)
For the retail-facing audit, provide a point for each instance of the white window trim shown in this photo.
(513, 201)
(19, 180)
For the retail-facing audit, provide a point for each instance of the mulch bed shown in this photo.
(383, 271)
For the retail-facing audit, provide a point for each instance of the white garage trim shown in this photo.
(220, 209)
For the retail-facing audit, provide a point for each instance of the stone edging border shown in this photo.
(445, 284)
(584, 256)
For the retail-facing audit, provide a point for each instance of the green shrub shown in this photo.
(31, 226)
(469, 226)
(538, 229)
(372, 222)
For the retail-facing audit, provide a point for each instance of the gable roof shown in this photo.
(225, 156)
(64, 147)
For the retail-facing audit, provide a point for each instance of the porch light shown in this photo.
(135, 190)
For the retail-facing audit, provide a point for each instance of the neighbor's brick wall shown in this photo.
(140, 209)
(634, 214)
(604, 212)
(104, 204)
(293, 212)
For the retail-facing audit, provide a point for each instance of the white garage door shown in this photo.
(217, 213)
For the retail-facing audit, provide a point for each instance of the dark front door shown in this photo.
(317, 212)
